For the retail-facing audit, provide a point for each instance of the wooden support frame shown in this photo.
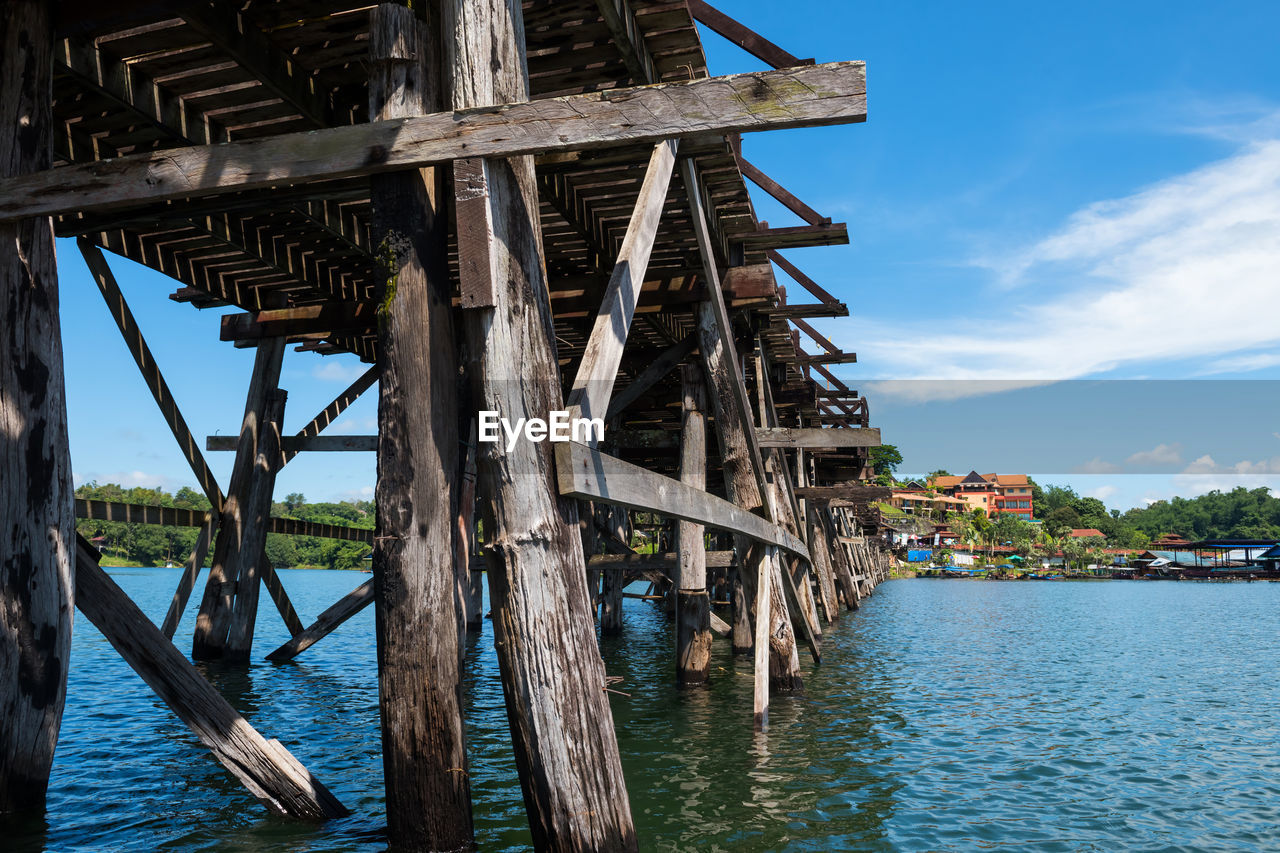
(593, 385)
(781, 193)
(816, 438)
(651, 375)
(818, 95)
(326, 623)
(264, 767)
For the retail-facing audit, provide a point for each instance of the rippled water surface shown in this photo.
(947, 715)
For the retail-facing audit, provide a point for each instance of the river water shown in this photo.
(946, 715)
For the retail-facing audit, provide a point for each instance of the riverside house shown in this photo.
(992, 493)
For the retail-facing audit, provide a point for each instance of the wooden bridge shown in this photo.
(499, 206)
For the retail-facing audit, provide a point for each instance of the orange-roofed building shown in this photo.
(991, 493)
(1086, 532)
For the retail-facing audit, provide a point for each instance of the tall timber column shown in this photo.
(37, 522)
(693, 605)
(416, 611)
(552, 674)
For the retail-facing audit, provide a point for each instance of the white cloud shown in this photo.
(1161, 454)
(1097, 465)
(332, 370)
(1241, 363)
(1185, 268)
(130, 479)
(348, 425)
(1102, 493)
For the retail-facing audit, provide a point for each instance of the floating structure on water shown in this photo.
(499, 206)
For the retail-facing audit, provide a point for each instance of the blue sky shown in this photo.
(1041, 193)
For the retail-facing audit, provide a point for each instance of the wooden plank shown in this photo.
(424, 757)
(326, 623)
(477, 279)
(553, 678)
(849, 492)
(803, 359)
(664, 562)
(36, 523)
(651, 375)
(817, 438)
(264, 767)
(753, 281)
(275, 588)
(593, 385)
(587, 474)
(334, 318)
(792, 237)
(628, 37)
(773, 100)
(790, 312)
(295, 444)
(744, 37)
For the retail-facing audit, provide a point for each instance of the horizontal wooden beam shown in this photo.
(293, 444)
(753, 281)
(855, 493)
(588, 474)
(329, 317)
(814, 439)
(772, 100)
(825, 309)
(804, 359)
(666, 560)
(168, 516)
(796, 237)
(346, 607)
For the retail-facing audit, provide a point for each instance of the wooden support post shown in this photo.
(822, 563)
(552, 673)
(263, 766)
(37, 523)
(189, 574)
(740, 455)
(245, 516)
(346, 607)
(424, 756)
(614, 582)
(464, 579)
(244, 610)
(693, 605)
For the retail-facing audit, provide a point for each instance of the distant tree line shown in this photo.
(153, 545)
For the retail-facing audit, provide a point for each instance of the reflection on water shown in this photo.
(946, 715)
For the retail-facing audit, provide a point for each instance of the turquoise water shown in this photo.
(947, 715)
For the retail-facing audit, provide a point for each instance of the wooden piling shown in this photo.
(243, 529)
(614, 582)
(693, 605)
(424, 756)
(552, 674)
(37, 521)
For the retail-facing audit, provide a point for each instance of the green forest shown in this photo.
(151, 545)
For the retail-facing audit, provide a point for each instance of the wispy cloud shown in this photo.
(1184, 268)
(332, 370)
(1161, 454)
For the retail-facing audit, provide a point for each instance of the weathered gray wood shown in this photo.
(818, 439)
(190, 572)
(264, 767)
(665, 562)
(852, 492)
(291, 445)
(613, 583)
(593, 385)
(770, 100)
(693, 605)
(466, 585)
(552, 674)
(243, 528)
(651, 375)
(36, 520)
(588, 474)
(244, 609)
(424, 756)
(346, 607)
(739, 452)
(822, 563)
